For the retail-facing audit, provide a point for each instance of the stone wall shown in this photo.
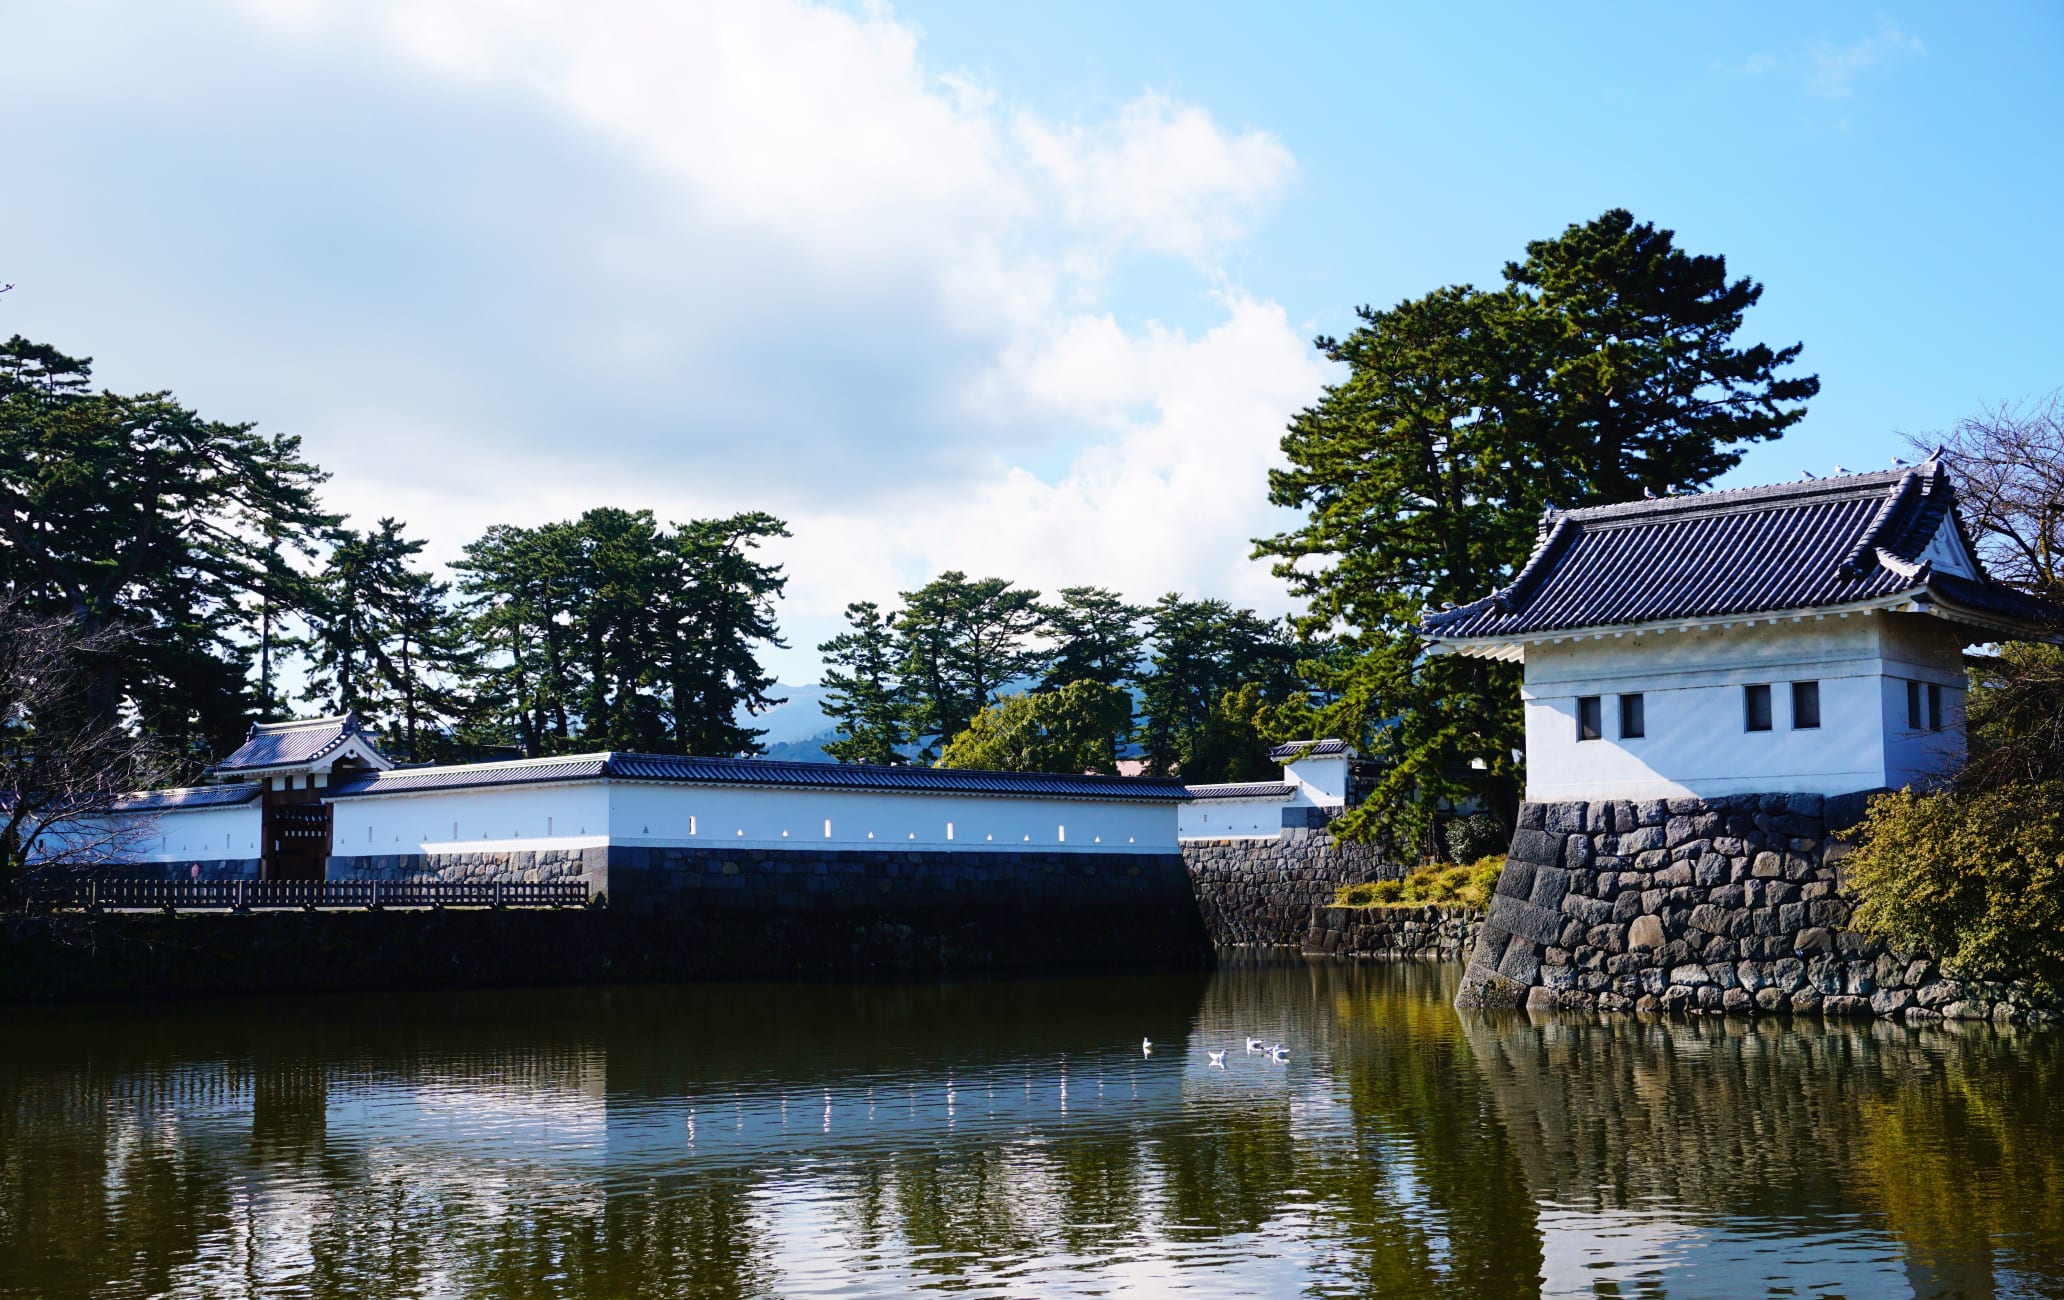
(1262, 892)
(1420, 932)
(1729, 905)
(672, 914)
(513, 866)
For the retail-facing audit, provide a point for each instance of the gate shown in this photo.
(297, 841)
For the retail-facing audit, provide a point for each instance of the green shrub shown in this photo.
(1472, 838)
(1974, 878)
(1468, 886)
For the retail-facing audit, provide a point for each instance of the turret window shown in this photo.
(1756, 707)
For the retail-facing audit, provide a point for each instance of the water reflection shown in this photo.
(1010, 1139)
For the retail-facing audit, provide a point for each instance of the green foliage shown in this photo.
(865, 695)
(386, 641)
(1452, 886)
(133, 512)
(1096, 638)
(1975, 878)
(959, 642)
(1476, 836)
(611, 631)
(1197, 719)
(1073, 728)
(1603, 366)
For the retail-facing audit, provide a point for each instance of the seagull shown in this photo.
(1256, 1045)
(1146, 1047)
(1807, 474)
(1648, 494)
(1899, 462)
(1280, 1052)
(1840, 470)
(1217, 1059)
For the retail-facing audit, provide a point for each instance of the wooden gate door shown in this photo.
(297, 841)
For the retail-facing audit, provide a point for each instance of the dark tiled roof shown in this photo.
(1242, 790)
(284, 744)
(1794, 546)
(200, 796)
(761, 772)
(1318, 748)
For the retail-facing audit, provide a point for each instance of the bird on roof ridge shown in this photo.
(1839, 471)
(1648, 494)
(1805, 474)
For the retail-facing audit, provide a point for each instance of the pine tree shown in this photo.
(1603, 366)
(1096, 638)
(864, 695)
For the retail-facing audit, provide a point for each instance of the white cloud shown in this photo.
(506, 259)
(1835, 68)
(1830, 70)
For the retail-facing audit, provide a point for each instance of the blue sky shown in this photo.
(1018, 289)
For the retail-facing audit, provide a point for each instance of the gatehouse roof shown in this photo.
(306, 742)
(1860, 540)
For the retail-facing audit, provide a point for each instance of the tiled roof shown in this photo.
(760, 772)
(1794, 546)
(200, 796)
(285, 744)
(1318, 749)
(1242, 790)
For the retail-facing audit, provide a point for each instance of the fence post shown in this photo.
(498, 895)
(93, 895)
(373, 901)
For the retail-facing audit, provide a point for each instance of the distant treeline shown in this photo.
(206, 548)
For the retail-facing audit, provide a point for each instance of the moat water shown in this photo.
(1012, 1139)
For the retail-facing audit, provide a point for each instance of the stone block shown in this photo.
(1542, 848)
(1636, 842)
(1830, 912)
(1708, 918)
(1516, 880)
(1519, 917)
(1710, 870)
(1532, 816)
(1938, 993)
(1767, 865)
(1888, 1003)
(1690, 973)
(1521, 963)
(1805, 1001)
(1567, 818)
(1550, 884)
(1590, 911)
(1576, 853)
(1770, 999)
(1817, 941)
(1627, 906)
(1844, 1006)
(1787, 973)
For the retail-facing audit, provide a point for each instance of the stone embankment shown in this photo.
(1263, 892)
(1426, 932)
(1731, 905)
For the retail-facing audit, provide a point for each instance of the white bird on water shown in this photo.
(1217, 1059)
(1146, 1047)
(1280, 1052)
(1255, 1045)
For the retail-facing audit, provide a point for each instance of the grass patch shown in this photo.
(1453, 886)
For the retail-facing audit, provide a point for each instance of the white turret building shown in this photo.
(1803, 638)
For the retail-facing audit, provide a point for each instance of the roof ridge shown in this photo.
(1693, 502)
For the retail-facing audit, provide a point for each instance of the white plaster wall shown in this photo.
(1220, 819)
(1696, 743)
(1923, 649)
(460, 821)
(199, 833)
(711, 815)
(1320, 782)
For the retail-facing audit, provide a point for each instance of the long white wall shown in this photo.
(460, 821)
(1224, 819)
(667, 814)
(198, 834)
(1696, 743)
(715, 816)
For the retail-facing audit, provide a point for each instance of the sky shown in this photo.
(1017, 289)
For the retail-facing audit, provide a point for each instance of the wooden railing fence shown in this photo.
(310, 895)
